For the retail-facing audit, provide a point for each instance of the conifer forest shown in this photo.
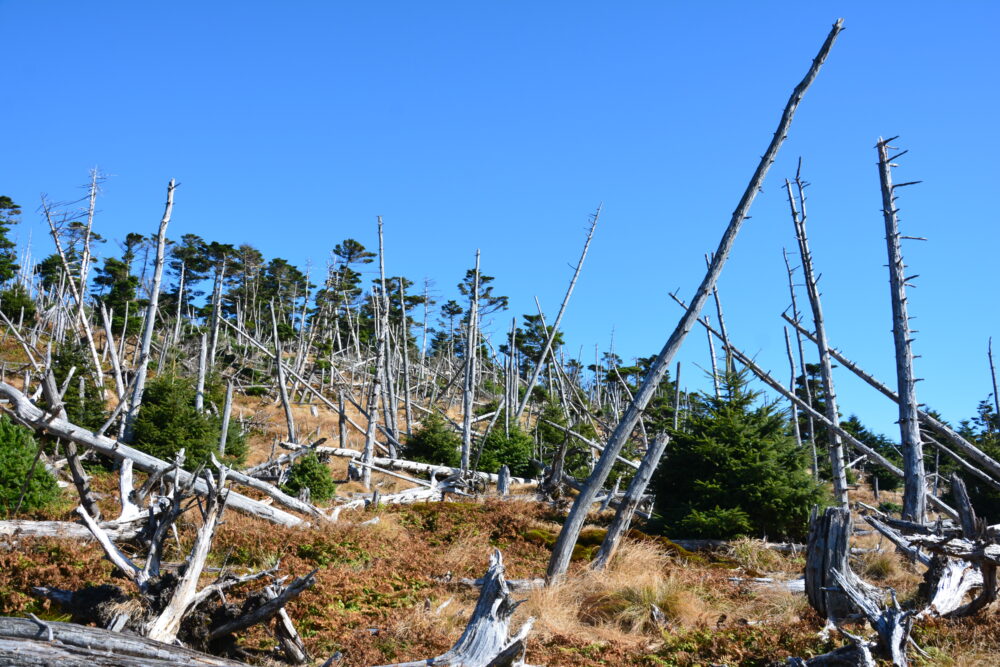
(212, 456)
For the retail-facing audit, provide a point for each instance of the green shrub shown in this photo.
(716, 523)
(734, 470)
(436, 442)
(308, 472)
(17, 452)
(168, 421)
(86, 409)
(13, 300)
(514, 450)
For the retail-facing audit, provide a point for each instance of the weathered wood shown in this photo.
(486, 641)
(64, 530)
(914, 484)
(555, 325)
(25, 643)
(28, 414)
(633, 495)
(989, 464)
(835, 448)
(892, 623)
(503, 480)
(142, 367)
(563, 549)
(471, 351)
(827, 554)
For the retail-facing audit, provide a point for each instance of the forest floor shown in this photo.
(390, 591)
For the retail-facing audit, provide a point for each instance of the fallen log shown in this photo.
(28, 414)
(28, 643)
(409, 466)
(65, 530)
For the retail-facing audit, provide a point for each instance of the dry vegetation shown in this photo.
(390, 591)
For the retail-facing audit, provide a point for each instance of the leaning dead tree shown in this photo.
(563, 549)
(909, 421)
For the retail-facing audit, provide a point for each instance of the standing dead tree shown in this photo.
(563, 549)
(834, 446)
(909, 423)
(142, 367)
(471, 348)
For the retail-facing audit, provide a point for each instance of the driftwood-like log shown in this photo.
(892, 623)
(30, 415)
(28, 643)
(826, 559)
(486, 641)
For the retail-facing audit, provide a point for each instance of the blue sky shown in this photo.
(502, 126)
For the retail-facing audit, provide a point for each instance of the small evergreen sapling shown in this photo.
(17, 453)
(310, 473)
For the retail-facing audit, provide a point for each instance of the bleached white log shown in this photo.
(28, 414)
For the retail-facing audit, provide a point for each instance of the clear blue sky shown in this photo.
(502, 125)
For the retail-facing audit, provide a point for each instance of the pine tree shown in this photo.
(734, 469)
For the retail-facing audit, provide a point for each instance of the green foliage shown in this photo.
(168, 421)
(883, 445)
(436, 442)
(513, 449)
(735, 470)
(9, 214)
(983, 431)
(716, 523)
(14, 299)
(309, 472)
(84, 408)
(17, 452)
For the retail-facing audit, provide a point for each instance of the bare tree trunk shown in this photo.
(563, 549)
(78, 296)
(555, 325)
(220, 275)
(226, 414)
(150, 324)
(633, 495)
(802, 363)
(282, 389)
(914, 484)
(199, 396)
(991, 465)
(405, 350)
(180, 302)
(471, 347)
(834, 446)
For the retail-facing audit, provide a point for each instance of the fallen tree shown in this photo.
(27, 413)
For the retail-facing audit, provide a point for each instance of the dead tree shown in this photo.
(282, 386)
(563, 549)
(142, 366)
(471, 348)
(633, 495)
(989, 464)
(834, 446)
(802, 362)
(555, 325)
(486, 641)
(914, 507)
(167, 601)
